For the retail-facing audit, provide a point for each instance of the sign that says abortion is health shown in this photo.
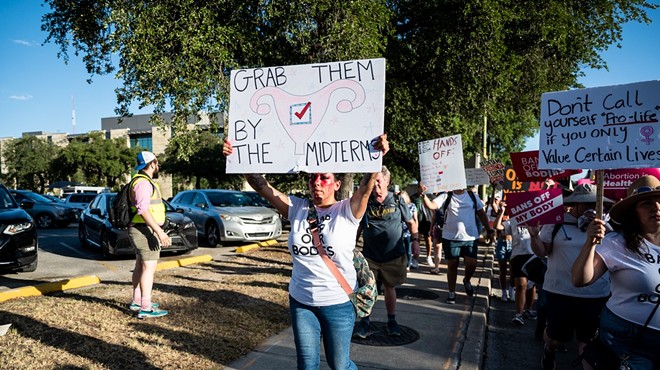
(601, 128)
(315, 118)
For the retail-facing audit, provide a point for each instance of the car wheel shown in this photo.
(82, 236)
(44, 221)
(31, 267)
(212, 234)
(105, 245)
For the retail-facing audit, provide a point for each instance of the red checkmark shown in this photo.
(302, 112)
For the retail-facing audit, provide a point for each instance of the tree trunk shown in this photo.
(346, 188)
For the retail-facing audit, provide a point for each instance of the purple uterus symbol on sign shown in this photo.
(647, 131)
(300, 115)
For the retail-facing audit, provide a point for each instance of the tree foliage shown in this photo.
(450, 64)
(28, 163)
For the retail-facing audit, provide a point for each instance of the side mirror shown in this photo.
(26, 204)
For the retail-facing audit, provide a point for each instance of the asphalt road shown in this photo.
(62, 257)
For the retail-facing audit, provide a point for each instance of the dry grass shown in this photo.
(219, 311)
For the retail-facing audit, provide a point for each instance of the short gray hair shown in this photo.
(385, 172)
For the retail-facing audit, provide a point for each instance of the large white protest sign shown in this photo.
(315, 118)
(441, 164)
(476, 176)
(601, 128)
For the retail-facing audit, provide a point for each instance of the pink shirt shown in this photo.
(142, 191)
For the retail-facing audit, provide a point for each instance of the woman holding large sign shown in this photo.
(629, 324)
(319, 306)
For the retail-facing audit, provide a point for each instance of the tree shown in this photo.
(27, 161)
(450, 64)
(101, 162)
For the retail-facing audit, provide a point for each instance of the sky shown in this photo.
(38, 91)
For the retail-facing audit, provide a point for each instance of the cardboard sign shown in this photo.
(512, 183)
(476, 176)
(441, 164)
(494, 168)
(616, 182)
(536, 207)
(526, 166)
(313, 118)
(608, 127)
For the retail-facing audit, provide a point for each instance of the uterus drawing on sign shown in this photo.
(301, 115)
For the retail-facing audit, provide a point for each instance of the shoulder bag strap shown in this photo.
(313, 221)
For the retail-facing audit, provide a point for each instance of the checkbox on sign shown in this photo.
(300, 114)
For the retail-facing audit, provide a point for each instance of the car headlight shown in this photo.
(14, 229)
(230, 218)
(189, 225)
(60, 210)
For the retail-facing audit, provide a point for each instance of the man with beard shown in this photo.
(384, 248)
(146, 234)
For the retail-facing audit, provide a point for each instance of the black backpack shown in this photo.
(120, 212)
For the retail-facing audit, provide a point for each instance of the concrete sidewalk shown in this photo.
(451, 336)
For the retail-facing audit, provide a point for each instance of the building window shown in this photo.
(143, 142)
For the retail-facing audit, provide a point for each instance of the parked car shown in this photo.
(46, 212)
(79, 200)
(19, 244)
(95, 229)
(258, 200)
(53, 197)
(228, 215)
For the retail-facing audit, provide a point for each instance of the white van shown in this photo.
(83, 189)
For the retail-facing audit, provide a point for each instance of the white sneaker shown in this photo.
(429, 261)
(414, 264)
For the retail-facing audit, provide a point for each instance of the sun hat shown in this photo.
(584, 193)
(143, 159)
(642, 188)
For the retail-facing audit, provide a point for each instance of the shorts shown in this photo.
(390, 273)
(503, 250)
(424, 228)
(456, 248)
(572, 315)
(144, 240)
(517, 263)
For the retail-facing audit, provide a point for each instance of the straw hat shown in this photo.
(584, 193)
(642, 188)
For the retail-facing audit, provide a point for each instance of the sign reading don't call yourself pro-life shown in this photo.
(315, 118)
(601, 128)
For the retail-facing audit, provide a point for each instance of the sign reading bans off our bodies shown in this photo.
(536, 207)
(601, 128)
(315, 118)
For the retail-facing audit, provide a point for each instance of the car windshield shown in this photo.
(221, 199)
(6, 201)
(38, 197)
(257, 200)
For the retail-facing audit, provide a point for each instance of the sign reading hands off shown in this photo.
(315, 118)
(441, 164)
(601, 128)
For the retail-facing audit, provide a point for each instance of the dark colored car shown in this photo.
(79, 200)
(19, 244)
(228, 215)
(46, 212)
(95, 229)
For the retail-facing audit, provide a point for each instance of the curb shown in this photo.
(250, 247)
(55, 286)
(82, 281)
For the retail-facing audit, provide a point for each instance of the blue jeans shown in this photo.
(407, 244)
(332, 323)
(622, 336)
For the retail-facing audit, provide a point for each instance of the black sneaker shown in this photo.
(361, 329)
(451, 298)
(518, 320)
(468, 287)
(548, 360)
(393, 329)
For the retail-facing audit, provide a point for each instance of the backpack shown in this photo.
(120, 212)
(536, 267)
(441, 214)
